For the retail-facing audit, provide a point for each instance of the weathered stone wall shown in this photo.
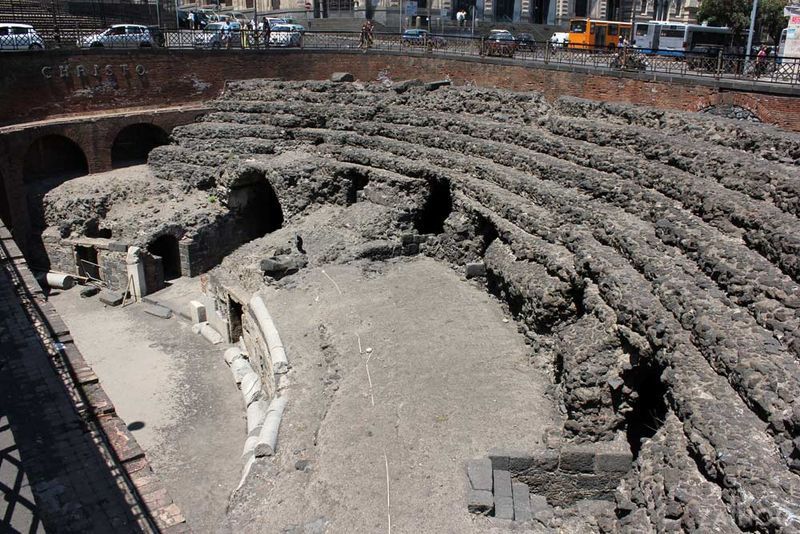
(179, 76)
(649, 257)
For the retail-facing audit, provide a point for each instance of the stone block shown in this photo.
(283, 265)
(340, 77)
(545, 460)
(406, 239)
(499, 459)
(474, 270)
(502, 483)
(208, 332)
(519, 461)
(110, 298)
(522, 501)
(410, 250)
(480, 474)
(432, 86)
(157, 310)
(577, 459)
(480, 502)
(613, 462)
(116, 246)
(504, 507)
(197, 312)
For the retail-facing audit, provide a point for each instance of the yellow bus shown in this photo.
(588, 33)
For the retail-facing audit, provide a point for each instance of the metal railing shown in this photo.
(777, 70)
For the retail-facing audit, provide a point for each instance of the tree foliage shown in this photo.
(736, 15)
(770, 15)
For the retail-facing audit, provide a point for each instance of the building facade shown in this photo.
(549, 12)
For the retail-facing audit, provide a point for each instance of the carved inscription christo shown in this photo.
(93, 71)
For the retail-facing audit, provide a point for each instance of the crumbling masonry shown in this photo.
(650, 258)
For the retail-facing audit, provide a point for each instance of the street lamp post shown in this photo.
(752, 26)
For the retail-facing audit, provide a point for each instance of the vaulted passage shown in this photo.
(54, 156)
(134, 143)
(166, 248)
(258, 208)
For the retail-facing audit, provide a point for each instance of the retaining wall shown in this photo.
(34, 86)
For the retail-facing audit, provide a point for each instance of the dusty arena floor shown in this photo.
(450, 380)
(174, 391)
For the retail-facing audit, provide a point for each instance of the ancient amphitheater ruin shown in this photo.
(447, 308)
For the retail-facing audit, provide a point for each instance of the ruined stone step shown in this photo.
(734, 170)
(771, 238)
(695, 499)
(763, 140)
(726, 255)
(726, 435)
(755, 363)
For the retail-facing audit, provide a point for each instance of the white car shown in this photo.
(119, 36)
(19, 37)
(284, 35)
(560, 39)
(214, 36)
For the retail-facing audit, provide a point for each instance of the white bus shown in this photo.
(677, 39)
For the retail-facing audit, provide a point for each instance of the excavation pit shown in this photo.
(602, 284)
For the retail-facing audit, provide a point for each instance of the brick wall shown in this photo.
(35, 86)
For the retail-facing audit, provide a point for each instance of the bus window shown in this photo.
(612, 29)
(678, 33)
(641, 30)
(578, 26)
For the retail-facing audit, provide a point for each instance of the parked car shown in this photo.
(118, 36)
(295, 27)
(214, 36)
(499, 43)
(283, 35)
(422, 38)
(525, 41)
(19, 37)
(559, 40)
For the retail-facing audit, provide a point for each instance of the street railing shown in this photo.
(781, 70)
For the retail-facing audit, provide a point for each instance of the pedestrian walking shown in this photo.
(267, 32)
(461, 17)
(363, 37)
(190, 18)
(761, 60)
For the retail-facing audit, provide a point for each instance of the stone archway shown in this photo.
(53, 157)
(134, 142)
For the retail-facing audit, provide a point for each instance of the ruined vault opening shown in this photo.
(133, 144)
(166, 249)
(648, 402)
(53, 156)
(438, 206)
(87, 260)
(257, 207)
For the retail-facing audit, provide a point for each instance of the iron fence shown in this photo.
(779, 70)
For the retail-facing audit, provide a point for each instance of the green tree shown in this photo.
(770, 15)
(734, 14)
